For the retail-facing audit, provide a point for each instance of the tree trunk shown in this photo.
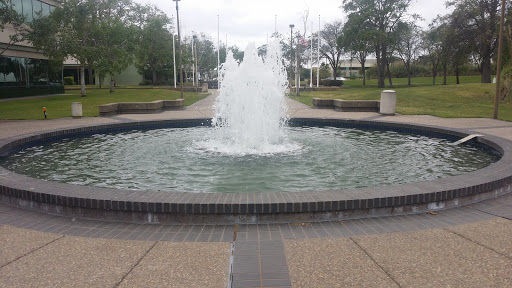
(364, 72)
(486, 66)
(445, 71)
(154, 76)
(389, 74)
(434, 78)
(100, 80)
(82, 81)
(379, 52)
(457, 74)
(112, 81)
(91, 79)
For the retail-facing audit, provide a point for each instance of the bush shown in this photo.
(331, 82)
(69, 80)
(145, 83)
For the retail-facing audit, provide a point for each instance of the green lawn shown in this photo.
(468, 99)
(60, 106)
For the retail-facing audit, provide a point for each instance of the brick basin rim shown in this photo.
(30, 192)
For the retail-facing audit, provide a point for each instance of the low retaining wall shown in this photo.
(347, 105)
(140, 107)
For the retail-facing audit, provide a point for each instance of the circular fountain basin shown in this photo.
(296, 202)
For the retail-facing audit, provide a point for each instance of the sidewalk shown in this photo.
(463, 247)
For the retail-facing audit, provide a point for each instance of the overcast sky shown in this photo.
(245, 21)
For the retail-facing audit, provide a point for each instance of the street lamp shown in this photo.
(291, 52)
(195, 59)
(179, 49)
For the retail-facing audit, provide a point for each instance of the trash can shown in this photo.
(76, 109)
(388, 102)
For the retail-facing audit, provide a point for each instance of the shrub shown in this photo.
(145, 82)
(69, 80)
(331, 82)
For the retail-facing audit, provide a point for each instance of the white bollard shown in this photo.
(76, 109)
(388, 102)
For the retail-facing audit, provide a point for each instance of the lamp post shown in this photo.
(179, 49)
(291, 52)
(498, 65)
(195, 60)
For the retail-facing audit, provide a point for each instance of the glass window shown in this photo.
(17, 5)
(52, 8)
(12, 72)
(37, 8)
(46, 9)
(27, 10)
(37, 72)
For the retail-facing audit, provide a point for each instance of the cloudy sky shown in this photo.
(244, 21)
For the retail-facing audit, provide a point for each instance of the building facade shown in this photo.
(24, 70)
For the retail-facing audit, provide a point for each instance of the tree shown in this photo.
(154, 49)
(407, 45)
(330, 48)
(431, 43)
(356, 40)
(68, 31)
(11, 20)
(381, 17)
(479, 20)
(115, 37)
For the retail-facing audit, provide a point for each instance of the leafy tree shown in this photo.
(68, 31)
(356, 40)
(154, 49)
(11, 20)
(479, 20)
(407, 45)
(432, 45)
(330, 48)
(381, 17)
(115, 38)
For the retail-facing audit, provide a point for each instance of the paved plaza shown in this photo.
(470, 246)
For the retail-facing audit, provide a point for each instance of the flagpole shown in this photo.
(218, 51)
(318, 55)
(311, 58)
(174, 59)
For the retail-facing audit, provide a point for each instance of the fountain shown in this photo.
(250, 111)
(251, 164)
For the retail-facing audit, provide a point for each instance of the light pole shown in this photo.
(179, 49)
(291, 53)
(498, 66)
(174, 59)
(195, 58)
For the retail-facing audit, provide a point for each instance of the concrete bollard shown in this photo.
(76, 109)
(388, 102)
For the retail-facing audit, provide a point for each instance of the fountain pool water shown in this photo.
(250, 148)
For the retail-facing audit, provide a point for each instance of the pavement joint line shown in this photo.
(231, 263)
(477, 243)
(136, 264)
(488, 127)
(374, 261)
(487, 212)
(33, 250)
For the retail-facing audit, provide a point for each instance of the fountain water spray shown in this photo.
(251, 111)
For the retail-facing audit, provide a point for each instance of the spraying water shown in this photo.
(250, 111)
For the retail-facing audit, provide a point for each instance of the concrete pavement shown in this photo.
(464, 247)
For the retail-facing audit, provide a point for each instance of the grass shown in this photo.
(60, 106)
(470, 99)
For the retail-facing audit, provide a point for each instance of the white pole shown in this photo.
(318, 56)
(193, 66)
(218, 51)
(311, 58)
(275, 23)
(174, 59)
